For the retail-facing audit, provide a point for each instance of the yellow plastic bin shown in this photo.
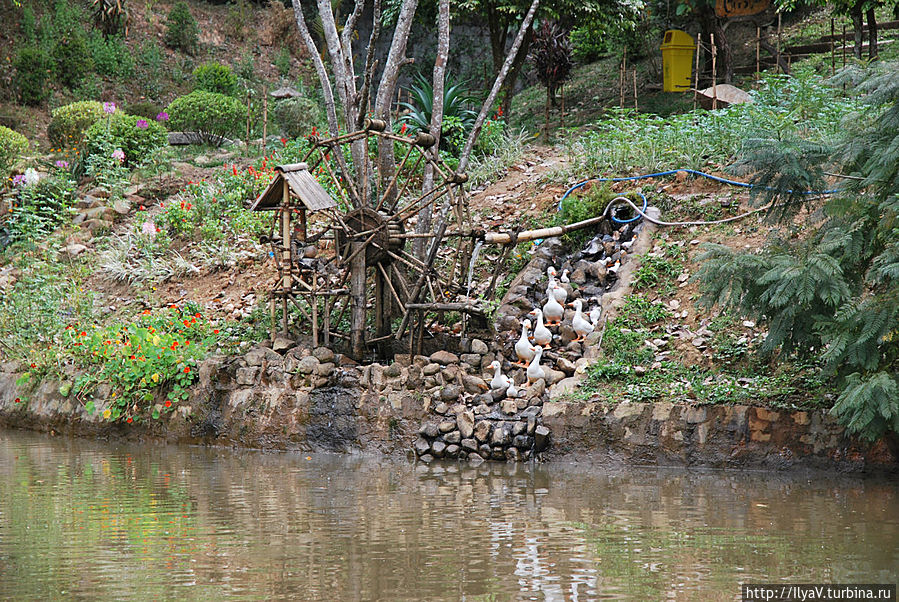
(677, 60)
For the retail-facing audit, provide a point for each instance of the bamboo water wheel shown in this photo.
(343, 239)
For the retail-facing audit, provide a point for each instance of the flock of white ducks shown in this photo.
(529, 348)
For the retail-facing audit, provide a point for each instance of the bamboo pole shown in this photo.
(696, 70)
(247, 148)
(264, 117)
(635, 90)
(504, 238)
(833, 58)
(779, 16)
(714, 73)
(758, 43)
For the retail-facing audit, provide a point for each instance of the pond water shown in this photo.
(97, 520)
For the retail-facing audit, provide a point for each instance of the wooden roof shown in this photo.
(302, 186)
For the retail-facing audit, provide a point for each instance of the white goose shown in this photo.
(595, 315)
(580, 324)
(542, 336)
(560, 293)
(512, 392)
(564, 279)
(523, 348)
(553, 310)
(499, 380)
(535, 371)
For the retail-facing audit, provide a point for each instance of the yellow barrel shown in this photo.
(677, 60)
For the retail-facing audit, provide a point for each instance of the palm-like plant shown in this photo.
(458, 117)
(110, 16)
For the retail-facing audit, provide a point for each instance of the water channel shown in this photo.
(96, 520)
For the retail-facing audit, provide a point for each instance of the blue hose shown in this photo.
(670, 173)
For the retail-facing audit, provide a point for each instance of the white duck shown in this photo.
(499, 380)
(560, 293)
(564, 279)
(542, 336)
(553, 310)
(512, 392)
(579, 323)
(595, 315)
(535, 370)
(523, 348)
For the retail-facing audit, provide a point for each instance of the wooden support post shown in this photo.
(777, 58)
(696, 71)
(416, 290)
(327, 328)
(272, 313)
(314, 298)
(635, 90)
(247, 148)
(286, 260)
(264, 117)
(714, 73)
(357, 301)
(758, 43)
(833, 58)
(843, 41)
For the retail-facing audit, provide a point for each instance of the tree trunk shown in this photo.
(509, 86)
(494, 92)
(327, 93)
(872, 34)
(396, 58)
(855, 11)
(419, 245)
(726, 64)
(498, 29)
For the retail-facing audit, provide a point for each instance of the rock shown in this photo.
(541, 438)
(512, 455)
(429, 430)
(519, 428)
(566, 366)
(282, 344)
(498, 453)
(475, 458)
(450, 393)
(421, 447)
(393, 370)
(508, 322)
(260, 355)
(324, 369)
(566, 334)
(532, 424)
(307, 365)
(444, 358)
(480, 347)
(323, 354)
(537, 389)
(482, 431)
(640, 370)
(566, 386)
(522, 442)
(452, 437)
(122, 207)
(553, 376)
(437, 448)
(509, 406)
(452, 451)
(748, 323)
(674, 304)
(74, 250)
(431, 369)
(465, 422)
(469, 445)
(246, 376)
(699, 342)
(592, 338)
(441, 408)
(446, 426)
(473, 384)
(500, 437)
(427, 458)
(472, 359)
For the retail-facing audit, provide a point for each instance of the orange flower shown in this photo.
(187, 369)
(215, 331)
(168, 403)
(130, 420)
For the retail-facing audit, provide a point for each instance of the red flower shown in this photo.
(189, 206)
(234, 169)
(130, 420)
(403, 129)
(197, 315)
(186, 323)
(168, 403)
(215, 331)
(34, 365)
(175, 344)
(18, 400)
(187, 369)
(132, 357)
(187, 343)
(284, 141)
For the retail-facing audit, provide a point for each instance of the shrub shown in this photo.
(147, 110)
(215, 77)
(296, 117)
(32, 66)
(73, 59)
(121, 131)
(588, 44)
(110, 16)
(212, 116)
(111, 57)
(41, 207)
(182, 31)
(12, 145)
(70, 122)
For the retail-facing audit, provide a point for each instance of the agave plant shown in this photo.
(458, 117)
(110, 16)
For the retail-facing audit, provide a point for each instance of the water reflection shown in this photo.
(87, 519)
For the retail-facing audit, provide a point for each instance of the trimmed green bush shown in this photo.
(111, 57)
(12, 146)
(33, 67)
(215, 77)
(147, 110)
(296, 117)
(123, 131)
(212, 116)
(73, 59)
(69, 123)
(182, 31)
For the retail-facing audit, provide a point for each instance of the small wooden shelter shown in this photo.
(294, 191)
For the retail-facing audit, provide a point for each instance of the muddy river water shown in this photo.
(95, 520)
